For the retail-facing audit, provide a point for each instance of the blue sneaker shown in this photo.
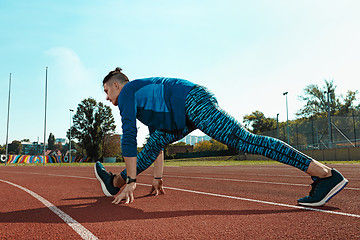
(106, 180)
(323, 189)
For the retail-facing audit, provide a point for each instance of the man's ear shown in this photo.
(116, 85)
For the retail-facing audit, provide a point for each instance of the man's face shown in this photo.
(112, 90)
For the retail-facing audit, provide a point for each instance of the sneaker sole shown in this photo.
(103, 187)
(332, 193)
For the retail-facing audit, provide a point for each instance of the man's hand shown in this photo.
(157, 186)
(127, 193)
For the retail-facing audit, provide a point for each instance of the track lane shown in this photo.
(189, 215)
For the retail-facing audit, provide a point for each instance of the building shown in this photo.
(63, 141)
(192, 140)
(34, 148)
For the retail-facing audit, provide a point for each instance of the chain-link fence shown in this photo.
(342, 131)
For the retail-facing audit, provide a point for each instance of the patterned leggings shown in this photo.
(203, 112)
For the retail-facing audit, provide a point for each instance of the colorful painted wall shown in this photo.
(40, 159)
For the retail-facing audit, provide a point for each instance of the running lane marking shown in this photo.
(258, 201)
(78, 228)
(247, 181)
(221, 195)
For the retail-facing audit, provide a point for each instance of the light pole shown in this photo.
(46, 82)
(7, 128)
(287, 117)
(329, 117)
(277, 126)
(70, 136)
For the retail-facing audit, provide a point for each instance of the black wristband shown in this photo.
(158, 178)
(130, 180)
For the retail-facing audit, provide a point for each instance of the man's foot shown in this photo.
(323, 189)
(106, 180)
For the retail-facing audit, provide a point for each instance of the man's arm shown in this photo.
(159, 165)
(128, 191)
(157, 184)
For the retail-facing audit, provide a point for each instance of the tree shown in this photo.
(349, 102)
(217, 146)
(211, 145)
(202, 146)
(2, 149)
(91, 122)
(315, 99)
(15, 147)
(58, 146)
(111, 145)
(258, 122)
(51, 142)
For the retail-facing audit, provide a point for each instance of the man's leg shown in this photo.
(154, 145)
(203, 111)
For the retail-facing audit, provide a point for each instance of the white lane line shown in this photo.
(258, 201)
(226, 196)
(78, 228)
(247, 181)
(204, 178)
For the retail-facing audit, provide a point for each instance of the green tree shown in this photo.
(211, 145)
(258, 122)
(2, 149)
(51, 142)
(202, 146)
(315, 99)
(15, 147)
(217, 146)
(349, 102)
(91, 122)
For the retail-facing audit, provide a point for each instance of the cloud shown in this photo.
(68, 67)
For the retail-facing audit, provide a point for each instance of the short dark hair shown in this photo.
(117, 74)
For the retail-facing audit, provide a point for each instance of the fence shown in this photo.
(314, 133)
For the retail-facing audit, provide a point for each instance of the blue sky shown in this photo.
(247, 52)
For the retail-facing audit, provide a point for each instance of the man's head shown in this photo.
(113, 83)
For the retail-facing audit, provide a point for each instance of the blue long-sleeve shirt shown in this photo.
(157, 102)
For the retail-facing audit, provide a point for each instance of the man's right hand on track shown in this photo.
(157, 187)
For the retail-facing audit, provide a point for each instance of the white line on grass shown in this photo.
(78, 228)
(227, 196)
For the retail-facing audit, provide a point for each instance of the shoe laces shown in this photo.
(108, 172)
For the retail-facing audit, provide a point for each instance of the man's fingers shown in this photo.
(118, 199)
(127, 199)
(152, 190)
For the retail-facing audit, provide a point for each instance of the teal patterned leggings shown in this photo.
(203, 112)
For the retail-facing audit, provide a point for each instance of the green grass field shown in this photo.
(208, 161)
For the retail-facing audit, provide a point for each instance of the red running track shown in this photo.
(235, 202)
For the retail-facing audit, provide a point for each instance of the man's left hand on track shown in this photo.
(127, 193)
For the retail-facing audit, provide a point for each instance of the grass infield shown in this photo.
(206, 161)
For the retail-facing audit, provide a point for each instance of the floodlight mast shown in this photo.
(70, 137)
(329, 117)
(287, 117)
(7, 128)
(46, 76)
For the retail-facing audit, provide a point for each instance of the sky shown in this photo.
(246, 52)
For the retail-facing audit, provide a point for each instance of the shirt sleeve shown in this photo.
(127, 107)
